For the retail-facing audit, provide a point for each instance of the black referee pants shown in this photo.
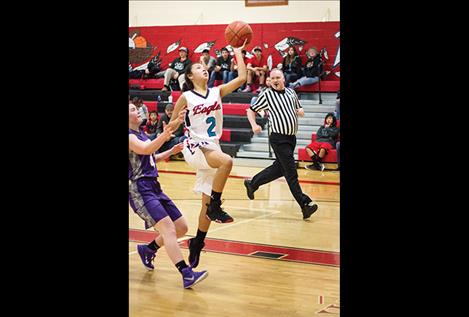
(284, 165)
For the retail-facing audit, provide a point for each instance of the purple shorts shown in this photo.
(150, 203)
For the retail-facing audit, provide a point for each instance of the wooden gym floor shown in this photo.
(268, 262)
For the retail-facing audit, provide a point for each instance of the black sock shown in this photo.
(200, 237)
(153, 245)
(216, 196)
(181, 265)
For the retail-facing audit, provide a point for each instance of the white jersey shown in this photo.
(204, 117)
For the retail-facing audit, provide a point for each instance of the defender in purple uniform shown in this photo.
(148, 200)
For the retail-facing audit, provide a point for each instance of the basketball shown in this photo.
(236, 32)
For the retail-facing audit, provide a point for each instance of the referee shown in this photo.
(284, 108)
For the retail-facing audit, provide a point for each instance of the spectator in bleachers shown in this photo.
(142, 109)
(177, 136)
(207, 60)
(152, 124)
(312, 70)
(257, 68)
(234, 69)
(326, 138)
(153, 68)
(177, 68)
(222, 68)
(291, 66)
(135, 73)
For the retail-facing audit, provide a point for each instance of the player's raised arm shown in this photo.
(231, 86)
(147, 148)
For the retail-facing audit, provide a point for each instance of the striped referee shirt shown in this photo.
(282, 106)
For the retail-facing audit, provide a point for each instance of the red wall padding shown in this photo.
(318, 34)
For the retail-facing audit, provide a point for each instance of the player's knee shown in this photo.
(181, 230)
(168, 229)
(228, 162)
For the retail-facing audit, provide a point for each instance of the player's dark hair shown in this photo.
(188, 85)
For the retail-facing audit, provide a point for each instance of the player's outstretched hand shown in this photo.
(177, 148)
(167, 131)
(241, 47)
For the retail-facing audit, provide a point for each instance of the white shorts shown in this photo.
(196, 159)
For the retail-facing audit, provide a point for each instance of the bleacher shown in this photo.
(238, 138)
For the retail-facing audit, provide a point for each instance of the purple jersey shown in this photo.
(141, 165)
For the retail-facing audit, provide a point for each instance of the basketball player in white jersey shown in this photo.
(204, 123)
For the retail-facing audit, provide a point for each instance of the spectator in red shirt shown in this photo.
(257, 68)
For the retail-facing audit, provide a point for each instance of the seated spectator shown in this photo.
(312, 70)
(337, 106)
(135, 73)
(326, 139)
(222, 68)
(152, 124)
(234, 69)
(291, 66)
(257, 68)
(178, 135)
(153, 67)
(142, 109)
(176, 69)
(208, 61)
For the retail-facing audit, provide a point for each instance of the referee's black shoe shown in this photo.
(250, 191)
(309, 209)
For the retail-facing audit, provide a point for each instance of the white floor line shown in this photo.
(227, 226)
(179, 240)
(236, 207)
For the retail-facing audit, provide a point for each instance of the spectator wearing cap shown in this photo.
(257, 68)
(177, 68)
(222, 69)
(208, 61)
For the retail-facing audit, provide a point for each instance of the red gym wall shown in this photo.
(151, 40)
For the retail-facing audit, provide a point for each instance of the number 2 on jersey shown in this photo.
(211, 120)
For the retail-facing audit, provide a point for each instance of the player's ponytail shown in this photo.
(188, 85)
